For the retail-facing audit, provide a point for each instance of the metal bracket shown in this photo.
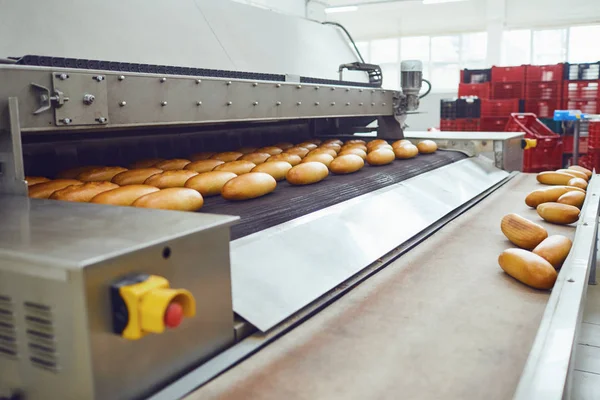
(12, 175)
(46, 99)
(89, 99)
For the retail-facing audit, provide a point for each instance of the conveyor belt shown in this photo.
(289, 202)
(441, 322)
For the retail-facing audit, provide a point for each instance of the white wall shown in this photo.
(291, 7)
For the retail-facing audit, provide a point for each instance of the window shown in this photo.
(384, 51)
(416, 48)
(516, 47)
(549, 46)
(445, 49)
(582, 44)
(473, 50)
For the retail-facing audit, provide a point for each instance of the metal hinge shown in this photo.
(46, 98)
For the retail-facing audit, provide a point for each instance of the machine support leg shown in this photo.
(576, 142)
(12, 174)
(592, 279)
(389, 128)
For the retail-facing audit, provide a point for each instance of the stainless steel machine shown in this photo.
(101, 302)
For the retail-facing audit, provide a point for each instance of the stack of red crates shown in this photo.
(581, 87)
(543, 91)
(507, 89)
(592, 160)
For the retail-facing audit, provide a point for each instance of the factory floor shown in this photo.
(586, 377)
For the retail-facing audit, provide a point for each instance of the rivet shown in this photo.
(278, 103)
(62, 77)
(229, 103)
(198, 103)
(198, 81)
(102, 120)
(123, 103)
(255, 84)
(372, 104)
(66, 121)
(360, 90)
(299, 87)
(383, 104)
(255, 103)
(162, 80)
(316, 88)
(299, 103)
(228, 83)
(372, 90)
(333, 103)
(121, 77)
(347, 90)
(347, 104)
(360, 104)
(316, 103)
(99, 78)
(163, 103)
(332, 89)
(278, 85)
(571, 280)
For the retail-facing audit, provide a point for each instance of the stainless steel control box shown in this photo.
(57, 263)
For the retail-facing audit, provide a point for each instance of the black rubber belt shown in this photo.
(289, 202)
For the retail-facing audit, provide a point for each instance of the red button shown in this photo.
(173, 315)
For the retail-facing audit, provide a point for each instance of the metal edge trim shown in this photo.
(547, 370)
(247, 347)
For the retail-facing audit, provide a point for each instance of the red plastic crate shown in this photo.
(568, 144)
(542, 108)
(548, 153)
(508, 90)
(577, 90)
(467, 125)
(594, 134)
(499, 108)
(585, 106)
(594, 159)
(543, 90)
(448, 125)
(585, 160)
(508, 74)
(544, 73)
(481, 90)
(492, 124)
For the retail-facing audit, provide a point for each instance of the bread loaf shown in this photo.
(558, 213)
(522, 232)
(307, 145)
(238, 167)
(374, 143)
(334, 146)
(346, 164)
(203, 165)
(100, 174)
(135, 176)
(323, 158)
(322, 150)
(178, 199)
(380, 157)
(581, 169)
(299, 151)
(578, 182)
(292, 159)
(554, 178)
(284, 145)
(169, 179)
(331, 141)
(205, 155)
(34, 180)
(249, 186)
(357, 152)
(172, 165)
(572, 198)
(146, 163)
(406, 151)
(82, 193)
(277, 169)
(400, 143)
(356, 141)
(554, 249)
(73, 173)
(354, 146)
(256, 158)
(427, 146)
(528, 268)
(550, 194)
(247, 150)
(272, 150)
(123, 196)
(306, 174)
(227, 156)
(45, 189)
(209, 183)
(575, 173)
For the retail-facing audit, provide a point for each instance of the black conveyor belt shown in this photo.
(288, 202)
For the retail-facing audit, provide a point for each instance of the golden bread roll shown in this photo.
(272, 150)
(554, 249)
(205, 155)
(550, 194)
(558, 213)
(572, 198)
(238, 167)
(82, 193)
(346, 164)
(427, 146)
(146, 163)
(307, 145)
(554, 178)
(578, 182)
(334, 146)
(375, 142)
(256, 158)
(292, 159)
(322, 158)
(249, 186)
(381, 156)
(323, 150)
(354, 146)
(381, 146)
(522, 232)
(400, 143)
(314, 141)
(34, 180)
(528, 268)
(203, 165)
(357, 152)
(284, 145)
(308, 173)
(123, 196)
(210, 183)
(299, 151)
(172, 164)
(247, 150)
(406, 151)
(277, 169)
(178, 199)
(73, 173)
(100, 174)
(170, 179)
(227, 156)
(581, 169)
(575, 173)
(135, 176)
(356, 141)
(332, 141)
(45, 189)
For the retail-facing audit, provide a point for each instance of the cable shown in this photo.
(360, 57)
(428, 89)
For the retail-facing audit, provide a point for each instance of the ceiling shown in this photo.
(337, 3)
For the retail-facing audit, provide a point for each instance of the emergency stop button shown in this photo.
(144, 304)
